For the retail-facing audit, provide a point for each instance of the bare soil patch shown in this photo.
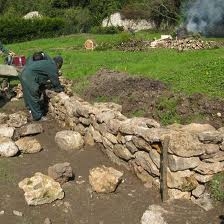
(144, 97)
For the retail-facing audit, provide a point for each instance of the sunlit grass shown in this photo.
(190, 72)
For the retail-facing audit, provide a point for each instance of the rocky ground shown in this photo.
(81, 205)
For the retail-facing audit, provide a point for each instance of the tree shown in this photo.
(161, 12)
(101, 9)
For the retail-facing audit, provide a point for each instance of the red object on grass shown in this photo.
(19, 61)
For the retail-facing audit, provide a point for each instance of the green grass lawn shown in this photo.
(190, 72)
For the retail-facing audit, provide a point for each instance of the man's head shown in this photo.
(37, 56)
(59, 61)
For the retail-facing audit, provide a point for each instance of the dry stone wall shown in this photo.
(195, 151)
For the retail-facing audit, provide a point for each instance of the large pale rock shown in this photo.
(41, 189)
(214, 137)
(71, 107)
(61, 172)
(217, 157)
(110, 137)
(122, 152)
(211, 149)
(221, 130)
(143, 159)
(104, 179)
(198, 191)
(108, 105)
(84, 110)
(142, 174)
(177, 163)
(182, 180)
(209, 168)
(8, 70)
(106, 143)
(131, 147)
(177, 194)
(115, 159)
(129, 126)
(6, 131)
(80, 129)
(17, 120)
(114, 125)
(105, 116)
(152, 135)
(202, 178)
(32, 15)
(97, 136)
(7, 147)
(84, 121)
(193, 128)
(116, 19)
(29, 145)
(204, 202)
(31, 129)
(141, 143)
(154, 215)
(69, 140)
(3, 118)
(185, 145)
(88, 138)
(155, 156)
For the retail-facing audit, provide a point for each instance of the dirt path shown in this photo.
(80, 204)
(83, 206)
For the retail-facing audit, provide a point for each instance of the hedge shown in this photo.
(19, 29)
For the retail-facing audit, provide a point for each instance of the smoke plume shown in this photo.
(206, 17)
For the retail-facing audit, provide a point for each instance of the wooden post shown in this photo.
(163, 167)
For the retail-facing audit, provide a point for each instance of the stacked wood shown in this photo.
(178, 44)
(188, 44)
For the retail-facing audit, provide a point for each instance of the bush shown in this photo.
(77, 20)
(107, 30)
(216, 186)
(19, 29)
(135, 11)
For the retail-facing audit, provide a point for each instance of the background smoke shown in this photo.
(206, 17)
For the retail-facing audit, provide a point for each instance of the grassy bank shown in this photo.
(191, 72)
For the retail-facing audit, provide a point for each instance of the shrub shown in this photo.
(107, 30)
(216, 186)
(77, 20)
(19, 29)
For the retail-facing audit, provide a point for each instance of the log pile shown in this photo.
(185, 44)
(178, 44)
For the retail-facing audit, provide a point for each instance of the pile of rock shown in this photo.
(195, 151)
(17, 135)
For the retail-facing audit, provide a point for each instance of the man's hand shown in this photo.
(59, 89)
(50, 93)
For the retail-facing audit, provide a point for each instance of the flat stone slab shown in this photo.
(8, 71)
